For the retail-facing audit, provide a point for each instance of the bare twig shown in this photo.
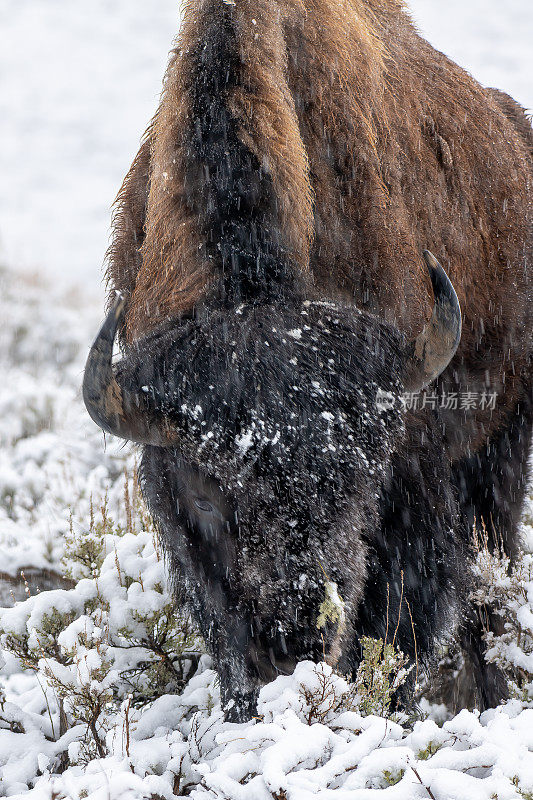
(428, 790)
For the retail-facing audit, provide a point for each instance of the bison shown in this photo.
(273, 310)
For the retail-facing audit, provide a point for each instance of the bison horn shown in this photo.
(110, 403)
(434, 348)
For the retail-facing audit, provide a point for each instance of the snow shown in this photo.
(79, 84)
(490, 39)
(281, 754)
(83, 80)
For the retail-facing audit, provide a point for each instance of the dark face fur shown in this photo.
(275, 485)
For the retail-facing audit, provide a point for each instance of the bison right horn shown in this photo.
(115, 407)
(433, 349)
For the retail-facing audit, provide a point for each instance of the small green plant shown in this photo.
(381, 673)
(392, 778)
(41, 642)
(86, 547)
(525, 794)
(332, 607)
(428, 751)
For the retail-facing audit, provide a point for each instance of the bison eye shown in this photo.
(204, 505)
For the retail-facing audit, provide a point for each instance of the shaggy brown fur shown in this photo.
(378, 146)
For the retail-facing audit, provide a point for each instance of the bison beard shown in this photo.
(266, 242)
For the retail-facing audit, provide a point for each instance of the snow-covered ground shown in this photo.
(51, 454)
(78, 83)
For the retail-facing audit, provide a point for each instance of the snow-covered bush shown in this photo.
(117, 640)
(507, 590)
(180, 746)
(116, 635)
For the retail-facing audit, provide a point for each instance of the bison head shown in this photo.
(267, 441)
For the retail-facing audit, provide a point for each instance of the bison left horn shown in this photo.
(433, 349)
(112, 405)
